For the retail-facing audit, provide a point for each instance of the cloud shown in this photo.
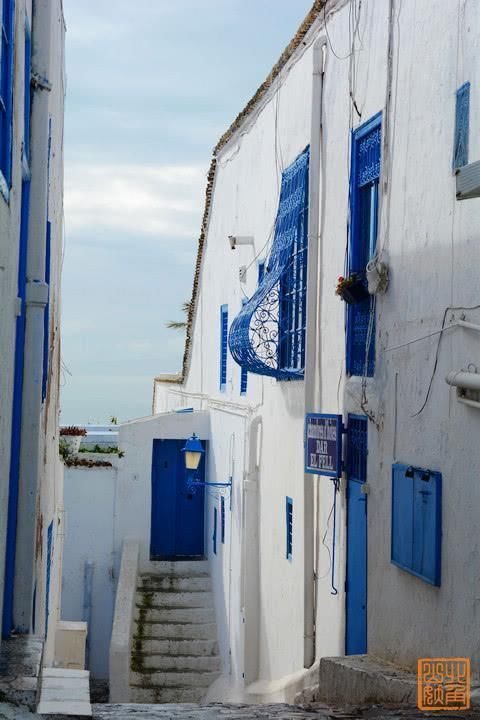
(157, 200)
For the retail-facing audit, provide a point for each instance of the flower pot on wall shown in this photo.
(355, 292)
(72, 442)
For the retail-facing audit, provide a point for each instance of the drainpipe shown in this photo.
(313, 349)
(36, 300)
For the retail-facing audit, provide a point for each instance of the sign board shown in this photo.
(323, 444)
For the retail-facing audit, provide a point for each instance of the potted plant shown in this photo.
(71, 437)
(352, 289)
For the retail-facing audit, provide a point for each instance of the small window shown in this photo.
(6, 87)
(289, 518)
(222, 519)
(214, 538)
(223, 346)
(462, 121)
(417, 521)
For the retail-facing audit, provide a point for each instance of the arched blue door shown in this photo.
(177, 517)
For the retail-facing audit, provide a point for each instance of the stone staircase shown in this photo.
(174, 648)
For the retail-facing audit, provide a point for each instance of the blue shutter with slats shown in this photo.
(6, 87)
(223, 346)
(364, 190)
(462, 115)
(417, 522)
(289, 528)
(244, 371)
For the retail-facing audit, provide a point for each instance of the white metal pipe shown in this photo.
(462, 379)
(312, 350)
(36, 299)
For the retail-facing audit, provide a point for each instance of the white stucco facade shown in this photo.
(35, 440)
(406, 62)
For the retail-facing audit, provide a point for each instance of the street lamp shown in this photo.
(193, 452)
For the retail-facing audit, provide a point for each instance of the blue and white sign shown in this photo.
(323, 444)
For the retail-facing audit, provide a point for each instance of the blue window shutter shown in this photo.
(417, 522)
(6, 87)
(222, 519)
(364, 191)
(357, 448)
(214, 538)
(462, 123)
(289, 527)
(223, 346)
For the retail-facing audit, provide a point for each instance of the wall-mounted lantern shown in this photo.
(193, 452)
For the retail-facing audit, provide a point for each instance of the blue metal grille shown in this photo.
(462, 115)
(357, 448)
(244, 371)
(289, 527)
(6, 85)
(268, 335)
(261, 271)
(223, 346)
(364, 191)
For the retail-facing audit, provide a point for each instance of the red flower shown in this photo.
(341, 279)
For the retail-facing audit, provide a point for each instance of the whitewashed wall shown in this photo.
(430, 242)
(90, 496)
(49, 500)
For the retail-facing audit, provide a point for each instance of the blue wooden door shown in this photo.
(177, 518)
(356, 582)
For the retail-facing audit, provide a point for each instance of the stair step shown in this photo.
(178, 615)
(174, 599)
(172, 679)
(166, 695)
(179, 631)
(179, 647)
(180, 567)
(149, 583)
(177, 663)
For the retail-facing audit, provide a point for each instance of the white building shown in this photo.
(31, 245)
(379, 93)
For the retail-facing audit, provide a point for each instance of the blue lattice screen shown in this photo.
(268, 335)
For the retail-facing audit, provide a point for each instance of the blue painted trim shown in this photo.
(7, 617)
(184, 410)
(223, 347)
(49, 572)
(289, 527)
(27, 98)
(261, 271)
(462, 126)
(339, 423)
(222, 519)
(214, 537)
(46, 317)
(243, 369)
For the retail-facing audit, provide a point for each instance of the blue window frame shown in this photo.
(6, 88)
(364, 196)
(462, 122)
(222, 519)
(417, 521)
(289, 528)
(293, 293)
(223, 346)
(214, 536)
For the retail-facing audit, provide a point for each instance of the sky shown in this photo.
(151, 87)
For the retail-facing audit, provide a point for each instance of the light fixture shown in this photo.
(193, 452)
(236, 240)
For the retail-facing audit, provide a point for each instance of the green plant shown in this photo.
(113, 420)
(64, 450)
(179, 324)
